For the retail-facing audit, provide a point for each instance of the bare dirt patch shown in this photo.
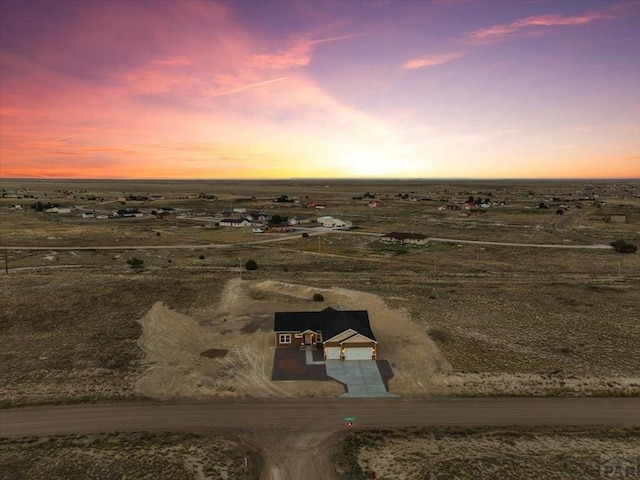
(174, 344)
(215, 353)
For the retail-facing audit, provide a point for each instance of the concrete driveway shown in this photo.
(361, 377)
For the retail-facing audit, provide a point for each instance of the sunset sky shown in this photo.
(257, 89)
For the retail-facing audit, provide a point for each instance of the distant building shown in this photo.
(617, 218)
(128, 212)
(335, 223)
(405, 238)
(58, 210)
(234, 222)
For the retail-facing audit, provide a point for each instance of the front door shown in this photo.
(308, 338)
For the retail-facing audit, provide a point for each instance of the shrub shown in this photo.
(318, 297)
(135, 262)
(440, 335)
(621, 246)
(201, 257)
(251, 265)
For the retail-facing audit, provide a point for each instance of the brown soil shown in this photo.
(215, 353)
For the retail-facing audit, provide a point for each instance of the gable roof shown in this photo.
(329, 321)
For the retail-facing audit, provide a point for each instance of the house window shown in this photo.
(284, 338)
(319, 336)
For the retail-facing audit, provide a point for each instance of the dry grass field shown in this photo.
(474, 454)
(79, 324)
(508, 320)
(117, 456)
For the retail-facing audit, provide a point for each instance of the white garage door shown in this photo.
(332, 353)
(358, 353)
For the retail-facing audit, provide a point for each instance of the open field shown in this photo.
(116, 456)
(406, 454)
(505, 320)
(453, 319)
(489, 453)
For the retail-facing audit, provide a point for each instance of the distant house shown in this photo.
(617, 218)
(128, 212)
(335, 223)
(88, 215)
(342, 335)
(234, 222)
(257, 216)
(405, 238)
(298, 221)
(58, 210)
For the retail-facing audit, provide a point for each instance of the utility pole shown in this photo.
(619, 264)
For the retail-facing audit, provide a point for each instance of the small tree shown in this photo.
(251, 265)
(135, 262)
(318, 297)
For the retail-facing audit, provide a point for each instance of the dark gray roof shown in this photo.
(329, 321)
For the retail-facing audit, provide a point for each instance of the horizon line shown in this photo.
(284, 179)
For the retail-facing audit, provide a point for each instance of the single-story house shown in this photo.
(335, 223)
(58, 210)
(405, 238)
(88, 215)
(342, 335)
(128, 212)
(234, 222)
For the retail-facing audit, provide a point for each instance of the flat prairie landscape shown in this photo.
(524, 298)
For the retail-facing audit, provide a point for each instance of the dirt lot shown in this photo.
(174, 344)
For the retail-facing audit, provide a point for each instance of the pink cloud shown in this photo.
(297, 54)
(524, 25)
(172, 61)
(431, 60)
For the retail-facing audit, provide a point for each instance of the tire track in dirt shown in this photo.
(301, 454)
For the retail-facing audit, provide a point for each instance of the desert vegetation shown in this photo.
(483, 453)
(79, 321)
(133, 455)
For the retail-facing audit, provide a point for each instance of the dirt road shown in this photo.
(292, 436)
(316, 415)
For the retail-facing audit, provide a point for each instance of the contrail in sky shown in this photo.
(246, 87)
(69, 136)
